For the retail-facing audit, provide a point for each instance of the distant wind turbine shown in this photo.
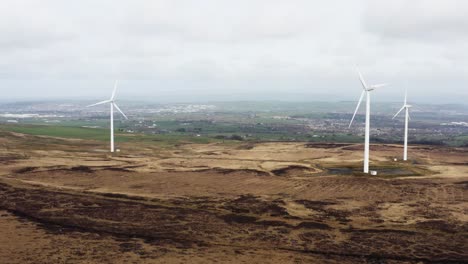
(366, 90)
(112, 103)
(406, 107)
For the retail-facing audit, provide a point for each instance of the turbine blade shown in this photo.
(118, 108)
(100, 103)
(406, 94)
(357, 108)
(364, 85)
(409, 116)
(401, 109)
(115, 90)
(379, 85)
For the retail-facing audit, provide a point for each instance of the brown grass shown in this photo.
(257, 203)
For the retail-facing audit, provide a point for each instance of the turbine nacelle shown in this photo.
(405, 107)
(113, 105)
(111, 101)
(375, 86)
(366, 89)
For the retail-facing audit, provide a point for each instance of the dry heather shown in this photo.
(265, 203)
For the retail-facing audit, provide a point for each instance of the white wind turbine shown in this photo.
(366, 90)
(112, 103)
(406, 107)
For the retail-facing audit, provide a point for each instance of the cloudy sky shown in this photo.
(181, 50)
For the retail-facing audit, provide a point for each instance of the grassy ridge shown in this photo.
(101, 134)
(210, 133)
(208, 136)
(59, 131)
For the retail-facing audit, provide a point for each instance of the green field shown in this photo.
(210, 135)
(100, 134)
(59, 131)
(172, 132)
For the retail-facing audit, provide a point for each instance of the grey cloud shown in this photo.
(218, 21)
(17, 39)
(246, 46)
(420, 20)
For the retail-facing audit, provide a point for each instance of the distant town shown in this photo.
(262, 121)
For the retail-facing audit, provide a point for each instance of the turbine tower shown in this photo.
(406, 107)
(366, 90)
(112, 103)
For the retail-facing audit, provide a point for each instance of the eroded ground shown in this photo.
(65, 201)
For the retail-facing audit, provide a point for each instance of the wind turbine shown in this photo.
(406, 107)
(366, 90)
(112, 103)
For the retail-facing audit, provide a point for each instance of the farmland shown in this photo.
(259, 122)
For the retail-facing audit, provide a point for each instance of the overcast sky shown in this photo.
(233, 50)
